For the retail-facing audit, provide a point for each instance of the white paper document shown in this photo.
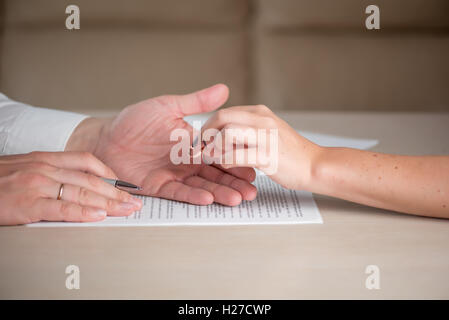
(273, 205)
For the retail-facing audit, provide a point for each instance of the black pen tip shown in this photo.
(124, 184)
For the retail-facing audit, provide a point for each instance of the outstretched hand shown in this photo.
(136, 145)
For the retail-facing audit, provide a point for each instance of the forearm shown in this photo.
(410, 184)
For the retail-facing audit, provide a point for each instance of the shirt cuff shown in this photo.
(40, 129)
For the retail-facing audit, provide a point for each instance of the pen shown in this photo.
(121, 184)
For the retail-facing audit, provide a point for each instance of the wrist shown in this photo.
(319, 167)
(86, 135)
(333, 172)
(303, 166)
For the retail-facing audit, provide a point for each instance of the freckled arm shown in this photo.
(410, 184)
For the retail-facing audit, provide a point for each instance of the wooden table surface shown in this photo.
(253, 262)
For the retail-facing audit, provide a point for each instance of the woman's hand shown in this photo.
(411, 184)
(283, 154)
(30, 184)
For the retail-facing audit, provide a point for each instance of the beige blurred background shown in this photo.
(287, 54)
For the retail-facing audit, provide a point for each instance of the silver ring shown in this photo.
(61, 190)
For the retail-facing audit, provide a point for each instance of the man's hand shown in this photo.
(59, 186)
(136, 145)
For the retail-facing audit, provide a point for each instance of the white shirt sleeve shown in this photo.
(24, 128)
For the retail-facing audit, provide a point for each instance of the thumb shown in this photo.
(205, 100)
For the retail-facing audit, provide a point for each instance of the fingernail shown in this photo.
(99, 214)
(127, 206)
(136, 202)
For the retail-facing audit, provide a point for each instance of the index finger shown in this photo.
(245, 116)
(73, 160)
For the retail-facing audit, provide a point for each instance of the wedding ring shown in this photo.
(61, 190)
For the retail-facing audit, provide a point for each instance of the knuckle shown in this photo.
(221, 114)
(40, 166)
(109, 172)
(169, 100)
(84, 213)
(36, 155)
(93, 180)
(83, 194)
(87, 156)
(123, 195)
(110, 205)
(263, 108)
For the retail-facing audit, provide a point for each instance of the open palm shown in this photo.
(136, 145)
